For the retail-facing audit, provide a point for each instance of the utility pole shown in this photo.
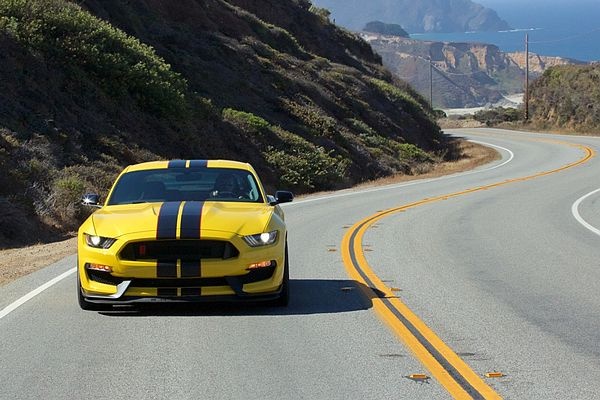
(526, 77)
(430, 83)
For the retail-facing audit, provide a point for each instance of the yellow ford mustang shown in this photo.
(184, 230)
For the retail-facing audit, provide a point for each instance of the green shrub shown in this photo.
(498, 115)
(303, 166)
(396, 95)
(276, 37)
(314, 118)
(65, 34)
(407, 151)
(323, 13)
(360, 126)
(245, 120)
(64, 200)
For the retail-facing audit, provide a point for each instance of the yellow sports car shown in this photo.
(184, 230)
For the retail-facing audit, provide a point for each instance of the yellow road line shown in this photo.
(443, 363)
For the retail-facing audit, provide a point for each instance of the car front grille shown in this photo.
(185, 250)
(252, 276)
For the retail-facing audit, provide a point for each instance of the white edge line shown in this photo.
(416, 182)
(579, 218)
(16, 304)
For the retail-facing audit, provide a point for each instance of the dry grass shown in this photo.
(474, 155)
(536, 128)
(15, 263)
(452, 123)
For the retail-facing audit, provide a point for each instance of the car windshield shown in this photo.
(186, 184)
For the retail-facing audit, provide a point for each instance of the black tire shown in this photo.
(284, 298)
(86, 305)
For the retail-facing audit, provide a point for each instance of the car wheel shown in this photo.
(86, 305)
(284, 297)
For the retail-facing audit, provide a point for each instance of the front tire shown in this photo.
(284, 298)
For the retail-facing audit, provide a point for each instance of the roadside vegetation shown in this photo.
(499, 115)
(567, 97)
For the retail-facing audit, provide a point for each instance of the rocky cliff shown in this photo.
(416, 16)
(464, 74)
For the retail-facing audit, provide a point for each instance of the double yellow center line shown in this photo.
(443, 363)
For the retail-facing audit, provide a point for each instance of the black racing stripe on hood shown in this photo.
(167, 220)
(177, 164)
(167, 229)
(198, 163)
(191, 219)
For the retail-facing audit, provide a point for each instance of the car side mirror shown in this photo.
(281, 196)
(91, 199)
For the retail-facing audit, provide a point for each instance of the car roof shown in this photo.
(189, 163)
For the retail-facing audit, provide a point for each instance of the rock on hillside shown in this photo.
(538, 64)
(416, 16)
(84, 92)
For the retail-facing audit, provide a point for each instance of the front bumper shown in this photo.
(216, 279)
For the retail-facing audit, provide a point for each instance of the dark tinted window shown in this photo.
(186, 184)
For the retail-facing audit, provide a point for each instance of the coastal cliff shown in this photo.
(464, 74)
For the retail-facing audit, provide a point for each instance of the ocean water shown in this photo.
(556, 28)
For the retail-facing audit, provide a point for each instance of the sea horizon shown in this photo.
(561, 30)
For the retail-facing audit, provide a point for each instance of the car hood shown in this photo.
(237, 218)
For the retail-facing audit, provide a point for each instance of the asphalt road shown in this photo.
(507, 276)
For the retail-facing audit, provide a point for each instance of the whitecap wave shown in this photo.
(521, 30)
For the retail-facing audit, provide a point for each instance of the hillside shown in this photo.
(416, 16)
(465, 74)
(84, 92)
(567, 97)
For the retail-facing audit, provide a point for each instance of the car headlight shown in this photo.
(98, 242)
(261, 239)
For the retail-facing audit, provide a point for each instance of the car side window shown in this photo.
(253, 192)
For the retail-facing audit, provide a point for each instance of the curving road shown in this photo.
(495, 270)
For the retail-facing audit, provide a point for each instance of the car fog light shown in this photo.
(99, 267)
(262, 264)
